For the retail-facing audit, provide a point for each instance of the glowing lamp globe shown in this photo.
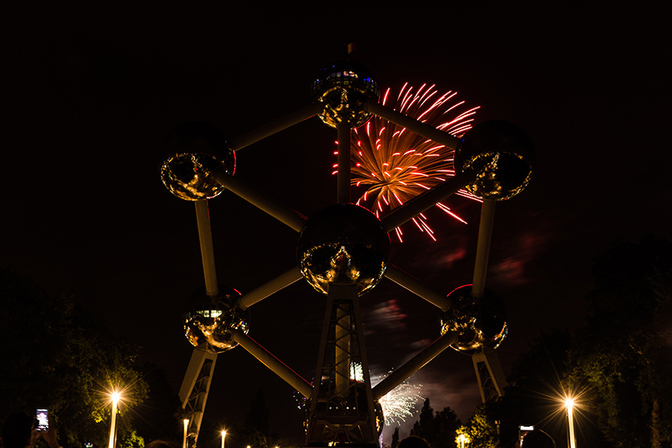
(502, 155)
(479, 324)
(342, 89)
(210, 320)
(343, 244)
(192, 152)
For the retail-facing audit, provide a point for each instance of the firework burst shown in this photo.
(400, 403)
(395, 165)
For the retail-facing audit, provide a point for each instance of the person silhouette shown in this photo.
(413, 441)
(19, 430)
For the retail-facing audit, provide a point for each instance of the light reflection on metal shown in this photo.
(503, 157)
(211, 320)
(342, 89)
(190, 154)
(344, 244)
(478, 323)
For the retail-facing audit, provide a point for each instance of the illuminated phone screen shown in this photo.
(42, 419)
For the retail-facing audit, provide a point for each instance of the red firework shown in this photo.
(395, 165)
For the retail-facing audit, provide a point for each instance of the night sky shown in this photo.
(87, 104)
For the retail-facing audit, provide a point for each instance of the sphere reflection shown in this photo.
(190, 154)
(345, 244)
(210, 320)
(342, 89)
(502, 155)
(478, 323)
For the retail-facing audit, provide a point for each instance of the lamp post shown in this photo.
(186, 428)
(223, 437)
(569, 404)
(116, 396)
(462, 439)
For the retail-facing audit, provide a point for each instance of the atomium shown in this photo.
(190, 154)
(344, 244)
(210, 320)
(342, 89)
(342, 252)
(480, 323)
(501, 154)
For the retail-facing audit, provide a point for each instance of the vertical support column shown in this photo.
(343, 181)
(342, 407)
(342, 351)
(489, 375)
(195, 389)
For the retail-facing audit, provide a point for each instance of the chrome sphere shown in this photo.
(190, 154)
(479, 323)
(345, 244)
(342, 88)
(502, 155)
(210, 320)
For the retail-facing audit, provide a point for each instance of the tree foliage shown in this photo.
(625, 351)
(438, 430)
(54, 355)
(480, 430)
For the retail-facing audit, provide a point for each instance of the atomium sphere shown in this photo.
(210, 320)
(503, 156)
(344, 244)
(190, 154)
(342, 89)
(479, 323)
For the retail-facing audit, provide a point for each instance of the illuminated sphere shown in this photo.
(479, 323)
(342, 89)
(210, 320)
(503, 156)
(190, 154)
(344, 244)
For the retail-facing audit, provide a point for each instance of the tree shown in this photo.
(54, 355)
(395, 438)
(480, 430)
(624, 353)
(257, 421)
(438, 430)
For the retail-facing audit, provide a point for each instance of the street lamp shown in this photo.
(116, 396)
(223, 437)
(186, 428)
(462, 440)
(569, 404)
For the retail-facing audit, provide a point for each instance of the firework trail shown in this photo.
(400, 403)
(395, 165)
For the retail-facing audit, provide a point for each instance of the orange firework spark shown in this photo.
(395, 165)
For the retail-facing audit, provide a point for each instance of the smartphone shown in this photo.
(42, 419)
